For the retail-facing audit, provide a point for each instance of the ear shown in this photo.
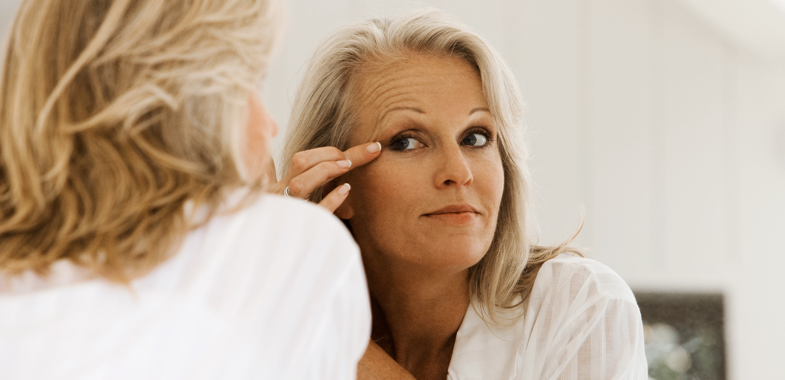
(345, 210)
(271, 177)
(259, 131)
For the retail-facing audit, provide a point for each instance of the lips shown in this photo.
(454, 209)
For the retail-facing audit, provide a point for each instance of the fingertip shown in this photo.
(374, 148)
(335, 198)
(344, 189)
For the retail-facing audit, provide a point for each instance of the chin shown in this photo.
(455, 253)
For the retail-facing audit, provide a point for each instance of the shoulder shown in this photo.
(274, 223)
(581, 319)
(273, 278)
(314, 261)
(296, 245)
(292, 224)
(268, 207)
(571, 274)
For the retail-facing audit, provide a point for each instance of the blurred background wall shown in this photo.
(664, 119)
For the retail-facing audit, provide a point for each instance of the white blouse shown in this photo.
(274, 291)
(581, 322)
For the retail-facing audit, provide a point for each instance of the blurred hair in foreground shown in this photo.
(113, 116)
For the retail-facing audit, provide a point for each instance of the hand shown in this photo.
(377, 365)
(317, 167)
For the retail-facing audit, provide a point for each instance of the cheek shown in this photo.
(383, 190)
(498, 181)
(489, 178)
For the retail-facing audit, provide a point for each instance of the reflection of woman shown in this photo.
(458, 290)
(134, 242)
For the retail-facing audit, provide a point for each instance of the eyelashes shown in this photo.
(405, 141)
(476, 137)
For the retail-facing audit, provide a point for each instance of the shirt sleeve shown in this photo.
(589, 324)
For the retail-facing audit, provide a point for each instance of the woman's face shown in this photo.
(432, 197)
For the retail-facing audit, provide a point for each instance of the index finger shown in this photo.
(363, 153)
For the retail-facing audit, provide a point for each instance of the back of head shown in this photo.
(113, 116)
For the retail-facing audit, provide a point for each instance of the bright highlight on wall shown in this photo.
(779, 3)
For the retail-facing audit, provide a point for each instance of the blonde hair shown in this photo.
(113, 116)
(322, 116)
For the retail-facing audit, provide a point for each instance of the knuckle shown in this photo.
(299, 160)
(295, 187)
(326, 168)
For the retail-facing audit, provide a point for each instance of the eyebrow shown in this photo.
(384, 115)
(415, 109)
(402, 109)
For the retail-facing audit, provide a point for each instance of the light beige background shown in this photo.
(665, 119)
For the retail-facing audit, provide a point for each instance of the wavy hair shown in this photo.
(116, 114)
(322, 115)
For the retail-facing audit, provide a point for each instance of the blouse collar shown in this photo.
(486, 352)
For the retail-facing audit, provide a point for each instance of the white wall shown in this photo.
(670, 135)
(7, 10)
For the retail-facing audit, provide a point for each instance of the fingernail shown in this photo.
(373, 148)
(344, 163)
(344, 189)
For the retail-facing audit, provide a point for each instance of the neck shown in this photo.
(417, 312)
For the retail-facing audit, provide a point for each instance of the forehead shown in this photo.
(427, 82)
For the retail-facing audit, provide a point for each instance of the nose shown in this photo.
(453, 170)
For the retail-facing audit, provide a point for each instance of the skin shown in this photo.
(438, 149)
(260, 129)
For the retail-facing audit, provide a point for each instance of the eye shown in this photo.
(405, 143)
(475, 139)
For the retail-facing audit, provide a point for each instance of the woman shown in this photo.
(134, 239)
(442, 218)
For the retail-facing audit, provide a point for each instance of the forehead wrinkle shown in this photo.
(371, 80)
(366, 91)
(388, 104)
(382, 87)
(385, 93)
(392, 102)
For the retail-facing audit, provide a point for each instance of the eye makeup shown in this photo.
(488, 136)
(412, 139)
(405, 141)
